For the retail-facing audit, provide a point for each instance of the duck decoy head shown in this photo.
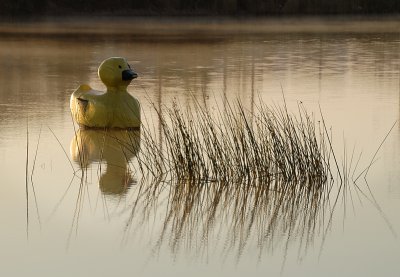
(116, 72)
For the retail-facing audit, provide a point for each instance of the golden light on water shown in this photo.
(117, 218)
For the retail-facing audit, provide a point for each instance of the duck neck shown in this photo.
(116, 89)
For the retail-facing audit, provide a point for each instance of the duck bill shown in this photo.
(128, 75)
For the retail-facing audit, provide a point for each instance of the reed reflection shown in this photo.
(233, 218)
(115, 149)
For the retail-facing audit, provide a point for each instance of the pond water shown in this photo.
(54, 223)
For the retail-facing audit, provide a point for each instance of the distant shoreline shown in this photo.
(235, 8)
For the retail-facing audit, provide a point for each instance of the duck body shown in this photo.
(97, 109)
(113, 108)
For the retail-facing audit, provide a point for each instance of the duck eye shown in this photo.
(120, 66)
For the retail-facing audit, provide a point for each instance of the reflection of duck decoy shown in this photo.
(114, 108)
(114, 147)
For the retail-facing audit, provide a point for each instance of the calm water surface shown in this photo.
(91, 227)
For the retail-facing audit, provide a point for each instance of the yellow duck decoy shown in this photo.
(115, 108)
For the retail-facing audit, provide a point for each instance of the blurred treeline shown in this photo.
(197, 7)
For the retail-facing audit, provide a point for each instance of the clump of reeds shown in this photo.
(233, 145)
